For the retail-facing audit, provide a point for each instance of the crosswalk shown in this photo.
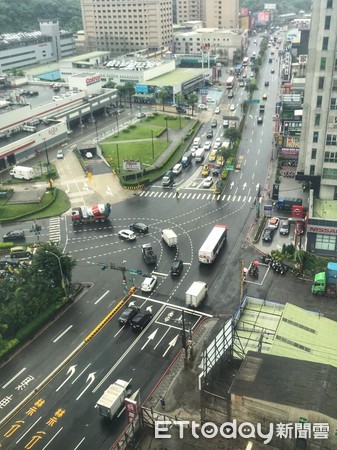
(55, 229)
(197, 196)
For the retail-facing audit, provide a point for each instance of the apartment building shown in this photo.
(124, 26)
(318, 148)
(214, 13)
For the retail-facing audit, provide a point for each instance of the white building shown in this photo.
(214, 13)
(19, 50)
(122, 27)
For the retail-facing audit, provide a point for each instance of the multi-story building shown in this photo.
(214, 13)
(124, 26)
(318, 149)
(19, 50)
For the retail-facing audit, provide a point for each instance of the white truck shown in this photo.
(112, 401)
(196, 293)
(169, 237)
(22, 173)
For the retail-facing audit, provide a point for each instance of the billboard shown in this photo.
(263, 17)
(270, 6)
(141, 89)
(93, 79)
(131, 409)
(133, 166)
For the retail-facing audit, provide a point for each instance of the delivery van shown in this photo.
(169, 237)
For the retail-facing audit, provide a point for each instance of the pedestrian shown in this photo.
(177, 192)
(162, 402)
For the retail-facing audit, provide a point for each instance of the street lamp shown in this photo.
(166, 129)
(46, 150)
(152, 144)
(61, 271)
(117, 121)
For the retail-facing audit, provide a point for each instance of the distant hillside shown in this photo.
(23, 15)
(283, 6)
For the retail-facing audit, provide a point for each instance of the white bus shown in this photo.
(230, 82)
(245, 61)
(211, 247)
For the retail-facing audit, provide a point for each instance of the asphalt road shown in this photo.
(116, 353)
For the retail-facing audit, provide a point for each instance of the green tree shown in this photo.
(180, 99)
(121, 93)
(110, 84)
(192, 100)
(162, 95)
(233, 134)
(130, 90)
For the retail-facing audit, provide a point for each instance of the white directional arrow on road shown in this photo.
(171, 345)
(91, 378)
(169, 316)
(150, 338)
(232, 184)
(71, 371)
(258, 185)
(244, 185)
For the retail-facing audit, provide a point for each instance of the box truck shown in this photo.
(169, 237)
(325, 283)
(112, 401)
(196, 294)
(199, 155)
(22, 173)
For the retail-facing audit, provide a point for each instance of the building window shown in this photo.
(317, 119)
(330, 174)
(315, 136)
(325, 242)
(331, 139)
(313, 153)
(327, 22)
(329, 3)
(319, 101)
(322, 63)
(335, 193)
(335, 66)
(321, 83)
(312, 170)
(325, 43)
(333, 103)
(330, 157)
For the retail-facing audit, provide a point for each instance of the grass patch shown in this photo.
(133, 134)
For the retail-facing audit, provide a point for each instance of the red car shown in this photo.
(299, 227)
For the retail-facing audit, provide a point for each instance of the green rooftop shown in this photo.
(325, 209)
(288, 331)
(176, 76)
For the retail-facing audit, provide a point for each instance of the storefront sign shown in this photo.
(321, 230)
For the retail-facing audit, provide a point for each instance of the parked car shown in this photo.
(202, 106)
(274, 222)
(177, 267)
(232, 107)
(266, 83)
(139, 227)
(127, 235)
(140, 115)
(89, 155)
(177, 169)
(15, 235)
(285, 227)
(148, 284)
(59, 154)
(272, 71)
(207, 183)
(299, 227)
(128, 315)
(264, 97)
(268, 235)
(217, 110)
(205, 170)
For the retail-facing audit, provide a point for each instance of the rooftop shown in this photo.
(294, 386)
(177, 76)
(325, 209)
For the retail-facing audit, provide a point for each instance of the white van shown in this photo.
(169, 237)
(199, 155)
(196, 294)
(196, 142)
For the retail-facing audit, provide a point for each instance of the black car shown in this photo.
(177, 267)
(272, 71)
(139, 227)
(15, 235)
(266, 83)
(214, 123)
(209, 134)
(268, 235)
(128, 315)
(140, 321)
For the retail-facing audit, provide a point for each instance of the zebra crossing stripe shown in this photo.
(233, 199)
(239, 198)
(250, 199)
(161, 193)
(142, 193)
(244, 198)
(193, 196)
(198, 196)
(203, 196)
(229, 197)
(155, 195)
(223, 197)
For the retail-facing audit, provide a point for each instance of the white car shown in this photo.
(207, 145)
(207, 183)
(89, 155)
(140, 115)
(217, 110)
(148, 284)
(202, 106)
(177, 169)
(274, 223)
(127, 235)
(59, 154)
(232, 108)
(241, 84)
